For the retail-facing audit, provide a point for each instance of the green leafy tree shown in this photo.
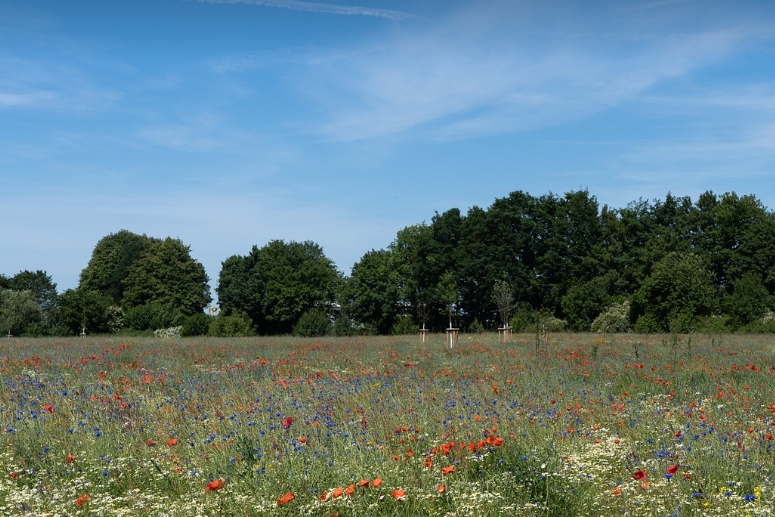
(748, 300)
(585, 301)
(39, 284)
(447, 295)
(154, 316)
(372, 293)
(679, 290)
(503, 299)
(165, 274)
(79, 309)
(236, 324)
(18, 311)
(276, 284)
(196, 325)
(110, 262)
(313, 323)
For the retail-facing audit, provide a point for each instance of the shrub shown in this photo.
(616, 318)
(152, 316)
(196, 325)
(405, 326)
(312, 323)
(168, 333)
(713, 325)
(236, 324)
(475, 327)
(343, 326)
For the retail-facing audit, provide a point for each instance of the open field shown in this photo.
(581, 425)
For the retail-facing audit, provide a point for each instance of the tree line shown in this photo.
(562, 262)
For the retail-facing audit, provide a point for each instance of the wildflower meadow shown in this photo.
(576, 424)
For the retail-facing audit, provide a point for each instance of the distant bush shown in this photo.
(475, 327)
(714, 325)
(616, 318)
(343, 326)
(152, 316)
(236, 324)
(312, 323)
(196, 325)
(405, 326)
(168, 333)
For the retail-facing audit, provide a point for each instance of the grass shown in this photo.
(136, 426)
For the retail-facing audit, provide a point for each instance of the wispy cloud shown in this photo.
(48, 85)
(487, 72)
(314, 7)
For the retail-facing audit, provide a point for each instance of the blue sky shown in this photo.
(229, 123)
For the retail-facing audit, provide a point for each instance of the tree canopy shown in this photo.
(276, 284)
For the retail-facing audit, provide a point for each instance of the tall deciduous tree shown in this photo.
(679, 290)
(110, 262)
(18, 310)
(276, 284)
(166, 274)
(80, 309)
(373, 291)
(40, 284)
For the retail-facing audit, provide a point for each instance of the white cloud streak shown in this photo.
(484, 72)
(314, 7)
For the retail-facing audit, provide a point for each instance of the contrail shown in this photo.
(296, 5)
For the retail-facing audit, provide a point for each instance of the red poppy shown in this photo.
(287, 421)
(323, 496)
(82, 499)
(638, 475)
(14, 475)
(337, 492)
(447, 470)
(70, 458)
(363, 483)
(287, 498)
(150, 443)
(376, 482)
(214, 485)
(441, 489)
(398, 494)
(350, 490)
(172, 442)
(303, 439)
(49, 408)
(672, 469)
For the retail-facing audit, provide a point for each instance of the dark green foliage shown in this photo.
(313, 323)
(153, 316)
(236, 324)
(276, 284)
(110, 262)
(79, 309)
(165, 274)
(476, 328)
(42, 287)
(372, 293)
(404, 326)
(585, 301)
(343, 326)
(747, 301)
(196, 325)
(679, 290)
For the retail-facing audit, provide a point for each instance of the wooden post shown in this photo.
(9, 334)
(504, 334)
(83, 331)
(452, 335)
(424, 334)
